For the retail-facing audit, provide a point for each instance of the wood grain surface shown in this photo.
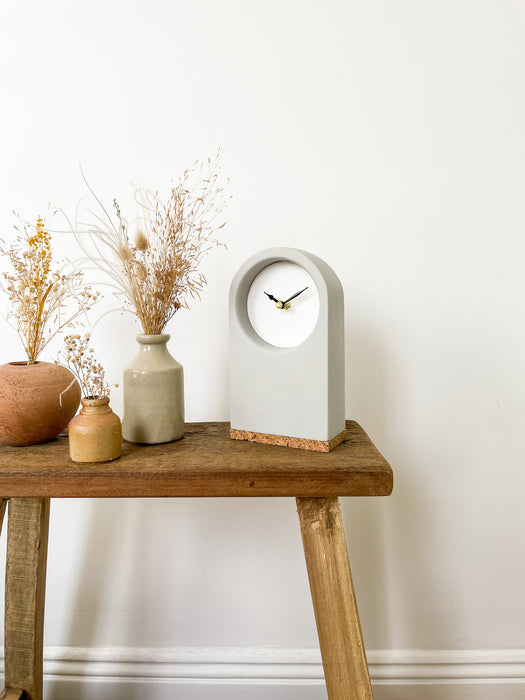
(206, 462)
(27, 536)
(333, 597)
(12, 694)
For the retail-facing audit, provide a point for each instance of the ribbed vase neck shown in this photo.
(157, 339)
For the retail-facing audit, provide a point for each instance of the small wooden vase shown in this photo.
(95, 434)
(36, 402)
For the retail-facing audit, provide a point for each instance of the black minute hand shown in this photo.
(295, 295)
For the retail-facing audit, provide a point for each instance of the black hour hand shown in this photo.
(271, 297)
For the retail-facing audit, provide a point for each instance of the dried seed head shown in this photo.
(141, 241)
(141, 271)
(125, 252)
(157, 264)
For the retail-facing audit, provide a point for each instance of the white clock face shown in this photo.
(283, 304)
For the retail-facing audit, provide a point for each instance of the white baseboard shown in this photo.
(276, 674)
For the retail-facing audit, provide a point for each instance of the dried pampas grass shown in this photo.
(155, 267)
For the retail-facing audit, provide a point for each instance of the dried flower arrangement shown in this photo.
(79, 358)
(43, 301)
(155, 268)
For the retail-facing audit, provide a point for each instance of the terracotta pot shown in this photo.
(36, 402)
(153, 394)
(95, 435)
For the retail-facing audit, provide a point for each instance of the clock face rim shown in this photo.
(326, 281)
(285, 330)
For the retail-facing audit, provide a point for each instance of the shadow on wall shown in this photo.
(392, 540)
(185, 690)
(128, 550)
(188, 572)
(366, 519)
(117, 537)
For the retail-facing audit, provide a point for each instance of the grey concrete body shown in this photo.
(299, 391)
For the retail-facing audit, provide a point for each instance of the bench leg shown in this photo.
(27, 532)
(12, 694)
(340, 638)
(8, 693)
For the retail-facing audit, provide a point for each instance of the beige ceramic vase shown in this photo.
(36, 402)
(95, 435)
(153, 394)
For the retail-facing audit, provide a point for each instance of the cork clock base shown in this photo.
(284, 441)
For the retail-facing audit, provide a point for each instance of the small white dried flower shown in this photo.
(79, 358)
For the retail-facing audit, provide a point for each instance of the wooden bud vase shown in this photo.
(95, 434)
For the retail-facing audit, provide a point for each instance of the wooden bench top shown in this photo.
(205, 462)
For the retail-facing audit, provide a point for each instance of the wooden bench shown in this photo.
(205, 463)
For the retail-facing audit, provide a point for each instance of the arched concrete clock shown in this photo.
(287, 351)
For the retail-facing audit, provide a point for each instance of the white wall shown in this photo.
(388, 138)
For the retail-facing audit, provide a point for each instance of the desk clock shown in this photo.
(287, 351)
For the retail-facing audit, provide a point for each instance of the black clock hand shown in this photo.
(295, 295)
(271, 297)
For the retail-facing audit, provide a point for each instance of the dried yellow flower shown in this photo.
(43, 301)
